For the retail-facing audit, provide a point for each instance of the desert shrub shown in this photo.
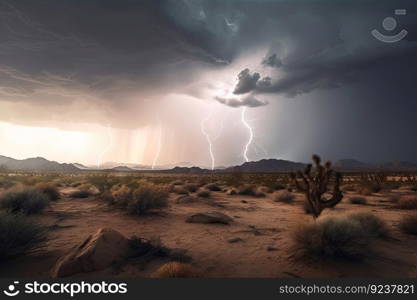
(407, 203)
(213, 187)
(26, 200)
(394, 198)
(121, 194)
(177, 182)
(265, 190)
(50, 190)
(203, 193)
(19, 235)
(284, 196)
(103, 182)
(176, 270)
(180, 190)
(414, 187)
(6, 182)
(191, 187)
(358, 200)
(249, 190)
(147, 197)
(374, 225)
(80, 194)
(366, 190)
(342, 237)
(279, 187)
(409, 224)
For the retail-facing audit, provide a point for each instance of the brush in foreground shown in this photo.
(19, 235)
(24, 200)
(339, 238)
(409, 224)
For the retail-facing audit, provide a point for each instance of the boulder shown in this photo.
(97, 252)
(209, 218)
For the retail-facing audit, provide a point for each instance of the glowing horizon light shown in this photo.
(245, 123)
(109, 146)
(158, 148)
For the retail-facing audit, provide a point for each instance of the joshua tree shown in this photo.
(314, 183)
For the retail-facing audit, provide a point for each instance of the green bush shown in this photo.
(146, 198)
(24, 200)
(19, 235)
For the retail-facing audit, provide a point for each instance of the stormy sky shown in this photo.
(155, 82)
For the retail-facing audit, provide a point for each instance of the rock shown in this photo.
(97, 252)
(234, 240)
(186, 199)
(231, 192)
(209, 218)
(244, 201)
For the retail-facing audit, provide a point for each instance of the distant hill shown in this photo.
(122, 169)
(267, 166)
(355, 165)
(261, 166)
(185, 170)
(35, 164)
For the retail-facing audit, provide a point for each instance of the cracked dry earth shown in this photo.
(256, 244)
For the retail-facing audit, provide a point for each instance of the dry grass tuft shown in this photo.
(358, 200)
(203, 193)
(177, 270)
(407, 203)
(409, 224)
(50, 190)
(284, 196)
(339, 238)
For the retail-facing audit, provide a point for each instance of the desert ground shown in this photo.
(257, 241)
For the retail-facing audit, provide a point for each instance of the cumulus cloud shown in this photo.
(246, 82)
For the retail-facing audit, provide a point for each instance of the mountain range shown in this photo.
(262, 166)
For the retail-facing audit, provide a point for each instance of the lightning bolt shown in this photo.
(109, 146)
(158, 148)
(245, 123)
(204, 132)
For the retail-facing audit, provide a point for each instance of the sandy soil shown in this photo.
(264, 226)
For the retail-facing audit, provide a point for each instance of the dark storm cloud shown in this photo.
(272, 61)
(122, 55)
(59, 53)
(247, 100)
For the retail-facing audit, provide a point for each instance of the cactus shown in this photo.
(314, 183)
